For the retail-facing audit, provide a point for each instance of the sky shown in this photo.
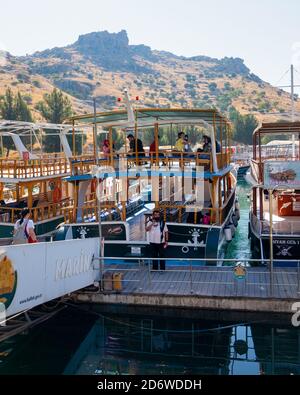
(265, 33)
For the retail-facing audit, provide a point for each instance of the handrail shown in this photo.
(262, 227)
(165, 157)
(16, 168)
(46, 211)
(91, 210)
(142, 264)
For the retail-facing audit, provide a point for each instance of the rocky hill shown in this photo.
(102, 64)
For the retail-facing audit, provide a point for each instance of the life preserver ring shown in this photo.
(57, 194)
(185, 249)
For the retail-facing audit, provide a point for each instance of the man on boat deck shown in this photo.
(133, 144)
(158, 239)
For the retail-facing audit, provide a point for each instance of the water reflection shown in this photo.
(112, 343)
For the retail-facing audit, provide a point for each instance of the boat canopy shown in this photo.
(17, 130)
(26, 128)
(150, 116)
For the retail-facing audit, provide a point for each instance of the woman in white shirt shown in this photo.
(24, 229)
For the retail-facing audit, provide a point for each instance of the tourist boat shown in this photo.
(31, 178)
(275, 196)
(123, 218)
(241, 156)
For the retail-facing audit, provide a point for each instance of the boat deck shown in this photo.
(202, 287)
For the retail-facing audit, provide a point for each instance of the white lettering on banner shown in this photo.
(289, 242)
(296, 315)
(69, 267)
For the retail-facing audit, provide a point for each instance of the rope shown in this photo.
(13, 316)
(288, 70)
(215, 329)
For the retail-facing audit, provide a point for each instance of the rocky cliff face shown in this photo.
(111, 51)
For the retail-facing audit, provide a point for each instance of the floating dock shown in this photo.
(201, 287)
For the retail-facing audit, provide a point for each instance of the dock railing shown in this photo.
(195, 276)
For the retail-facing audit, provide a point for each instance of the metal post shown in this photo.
(293, 109)
(101, 246)
(191, 278)
(271, 241)
(156, 144)
(149, 275)
(73, 139)
(31, 143)
(95, 134)
(140, 262)
(298, 276)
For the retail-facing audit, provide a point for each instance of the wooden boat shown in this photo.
(31, 178)
(275, 196)
(123, 223)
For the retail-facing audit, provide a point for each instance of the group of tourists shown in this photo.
(182, 145)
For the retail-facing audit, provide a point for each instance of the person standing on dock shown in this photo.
(158, 238)
(24, 229)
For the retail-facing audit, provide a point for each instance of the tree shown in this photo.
(213, 87)
(56, 107)
(8, 107)
(243, 126)
(22, 112)
(14, 108)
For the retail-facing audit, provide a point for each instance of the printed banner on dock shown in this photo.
(32, 274)
(284, 174)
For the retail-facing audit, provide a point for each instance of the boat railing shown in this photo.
(172, 211)
(90, 212)
(177, 211)
(25, 169)
(54, 155)
(164, 158)
(279, 152)
(279, 227)
(44, 211)
(290, 228)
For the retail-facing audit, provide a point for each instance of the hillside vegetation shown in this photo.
(102, 64)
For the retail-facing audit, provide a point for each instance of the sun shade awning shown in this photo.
(151, 116)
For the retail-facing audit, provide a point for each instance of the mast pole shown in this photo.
(293, 109)
(101, 246)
